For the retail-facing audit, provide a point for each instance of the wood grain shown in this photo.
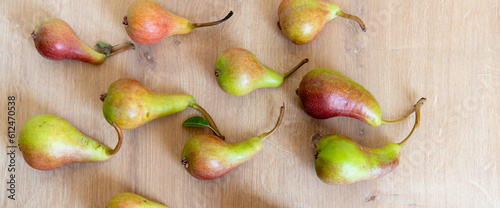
(447, 51)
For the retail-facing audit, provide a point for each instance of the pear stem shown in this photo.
(121, 48)
(419, 104)
(209, 119)
(295, 68)
(120, 140)
(352, 17)
(385, 122)
(278, 123)
(196, 25)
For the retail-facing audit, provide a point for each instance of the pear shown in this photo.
(326, 93)
(339, 160)
(55, 39)
(146, 22)
(130, 200)
(302, 20)
(239, 72)
(208, 157)
(130, 104)
(49, 142)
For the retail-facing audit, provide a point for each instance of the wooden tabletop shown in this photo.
(446, 51)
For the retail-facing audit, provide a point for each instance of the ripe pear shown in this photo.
(146, 22)
(302, 20)
(339, 160)
(326, 93)
(208, 157)
(131, 104)
(49, 142)
(130, 200)
(55, 39)
(239, 72)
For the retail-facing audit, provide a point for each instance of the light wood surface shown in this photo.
(446, 51)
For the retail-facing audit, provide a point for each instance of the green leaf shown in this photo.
(103, 47)
(196, 121)
(199, 121)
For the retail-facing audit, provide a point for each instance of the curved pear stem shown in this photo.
(385, 122)
(295, 68)
(278, 123)
(419, 104)
(196, 25)
(120, 140)
(352, 17)
(209, 119)
(121, 48)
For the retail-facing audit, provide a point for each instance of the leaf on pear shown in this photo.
(103, 47)
(196, 121)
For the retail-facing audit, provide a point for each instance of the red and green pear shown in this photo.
(131, 104)
(49, 142)
(130, 200)
(239, 72)
(56, 40)
(302, 20)
(340, 160)
(326, 93)
(147, 22)
(208, 157)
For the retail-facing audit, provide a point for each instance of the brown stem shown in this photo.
(195, 25)
(120, 48)
(278, 123)
(209, 119)
(295, 68)
(417, 120)
(385, 122)
(120, 140)
(352, 17)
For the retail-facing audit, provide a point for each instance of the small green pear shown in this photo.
(49, 142)
(130, 104)
(208, 157)
(239, 72)
(302, 20)
(340, 160)
(130, 200)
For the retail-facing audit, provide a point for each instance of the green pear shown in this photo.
(340, 160)
(326, 93)
(302, 20)
(208, 157)
(49, 142)
(130, 104)
(239, 72)
(130, 200)
(147, 22)
(56, 40)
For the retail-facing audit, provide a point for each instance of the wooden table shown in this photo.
(446, 51)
